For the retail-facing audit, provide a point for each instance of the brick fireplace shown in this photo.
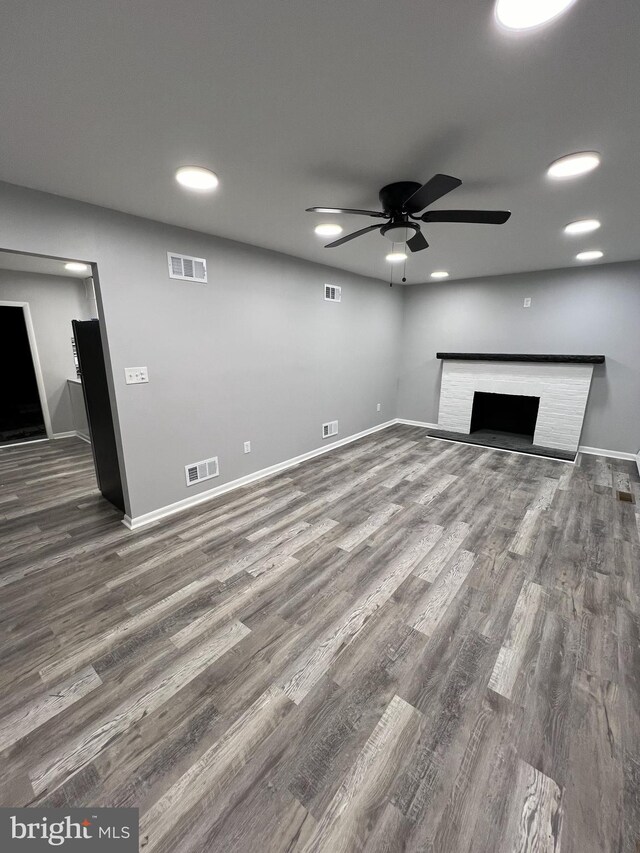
(559, 384)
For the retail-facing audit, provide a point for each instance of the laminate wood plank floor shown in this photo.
(403, 645)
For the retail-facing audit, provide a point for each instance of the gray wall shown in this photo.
(53, 302)
(256, 354)
(584, 310)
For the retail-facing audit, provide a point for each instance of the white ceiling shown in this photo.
(304, 103)
(38, 264)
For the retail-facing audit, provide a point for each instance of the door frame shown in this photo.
(35, 358)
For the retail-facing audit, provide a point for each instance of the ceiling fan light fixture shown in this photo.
(440, 274)
(591, 255)
(399, 233)
(528, 14)
(328, 229)
(396, 257)
(582, 226)
(574, 165)
(197, 178)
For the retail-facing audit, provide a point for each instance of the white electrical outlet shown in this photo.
(527, 302)
(136, 375)
(247, 447)
(378, 407)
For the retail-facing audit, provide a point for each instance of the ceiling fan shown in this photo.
(401, 202)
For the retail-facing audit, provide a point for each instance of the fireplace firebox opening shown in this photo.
(514, 414)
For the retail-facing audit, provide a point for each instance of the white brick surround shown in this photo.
(563, 389)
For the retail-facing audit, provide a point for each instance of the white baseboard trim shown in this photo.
(22, 443)
(171, 509)
(53, 437)
(416, 423)
(72, 433)
(613, 454)
(165, 511)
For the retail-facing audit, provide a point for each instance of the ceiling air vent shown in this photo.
(199, 471)
(187, 268)
(329, 429)
(332, 293)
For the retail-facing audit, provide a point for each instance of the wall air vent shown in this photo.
(187, 268)
(199, 471)
(329, 429)
(332, 293)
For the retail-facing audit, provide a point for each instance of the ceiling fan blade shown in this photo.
(331, 210)
(352, 236)
(434, 189)
(418, 242)
(486, 217)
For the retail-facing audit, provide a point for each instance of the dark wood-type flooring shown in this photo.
(404, 645)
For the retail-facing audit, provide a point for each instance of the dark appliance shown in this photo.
(99, 413)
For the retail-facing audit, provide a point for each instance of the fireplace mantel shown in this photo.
(511, 356)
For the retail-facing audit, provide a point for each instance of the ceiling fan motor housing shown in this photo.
(393, 196)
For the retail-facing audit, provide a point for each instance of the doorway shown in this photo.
(23, 409)
(63, 392)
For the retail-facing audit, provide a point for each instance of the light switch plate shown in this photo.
(527, 302)
(247, 447)
(136, 375)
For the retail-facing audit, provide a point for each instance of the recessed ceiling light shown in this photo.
(74, 266)
(582, 226)
(574, 164)
(330, 229)
(591, 255)
(525, 14)
(440, 274)
(197, 178)
(396, 257)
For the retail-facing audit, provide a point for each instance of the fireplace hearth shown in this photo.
(504, 441)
